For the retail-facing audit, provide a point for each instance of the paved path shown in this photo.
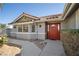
(28, 48)
(53, 48)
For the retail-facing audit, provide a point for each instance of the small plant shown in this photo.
(3, 39)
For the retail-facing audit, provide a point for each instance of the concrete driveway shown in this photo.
(52, 48)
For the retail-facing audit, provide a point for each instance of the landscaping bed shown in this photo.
(10, 49)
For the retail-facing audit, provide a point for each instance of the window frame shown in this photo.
(19, 28)
(33, 28)
(25, 27)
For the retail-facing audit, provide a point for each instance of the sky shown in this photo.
(10, 11)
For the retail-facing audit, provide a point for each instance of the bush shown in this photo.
(3, 39)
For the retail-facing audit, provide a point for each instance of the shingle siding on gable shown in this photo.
(77, 19)
(24, 19)
(72, 19)
(69, 22)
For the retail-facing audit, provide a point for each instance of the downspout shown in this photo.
(71, 7)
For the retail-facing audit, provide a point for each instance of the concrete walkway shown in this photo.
(53, 48)
(28, 48)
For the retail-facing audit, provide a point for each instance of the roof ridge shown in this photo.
(29, 15)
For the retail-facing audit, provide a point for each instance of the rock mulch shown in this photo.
(7, 50)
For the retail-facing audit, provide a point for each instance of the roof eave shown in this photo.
(68, 11)
(25, 15)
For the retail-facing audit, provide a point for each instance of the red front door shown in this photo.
(54, 31)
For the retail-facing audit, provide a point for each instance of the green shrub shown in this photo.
(3, 39)
(73, 31)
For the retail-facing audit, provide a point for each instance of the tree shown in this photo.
(3, 35)
(1, 5)
(2, 26)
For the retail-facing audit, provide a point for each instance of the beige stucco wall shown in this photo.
(41, 31)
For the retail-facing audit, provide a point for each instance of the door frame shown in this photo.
(46, 29)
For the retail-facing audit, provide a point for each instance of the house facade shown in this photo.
(31, 27)
(70, 29)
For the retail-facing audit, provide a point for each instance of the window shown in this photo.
(14, 26)
(19, 28)
(25, 28)
(33, 28)
(40, 26)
